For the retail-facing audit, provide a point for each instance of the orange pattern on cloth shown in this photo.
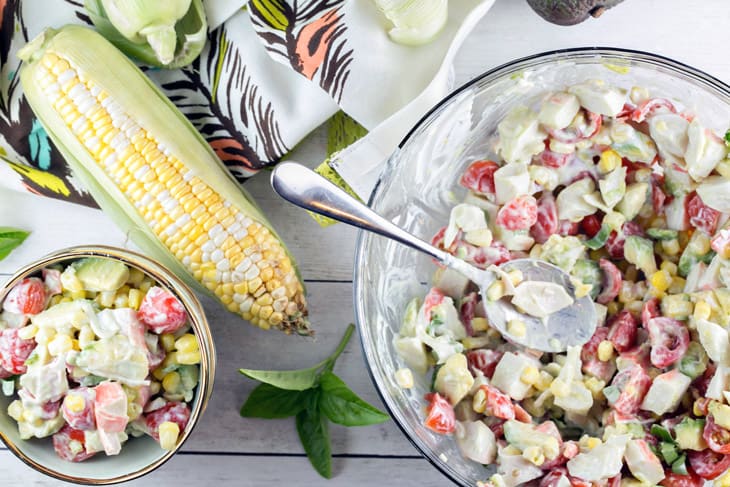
(313, 42)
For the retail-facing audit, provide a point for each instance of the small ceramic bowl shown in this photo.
(139, 455)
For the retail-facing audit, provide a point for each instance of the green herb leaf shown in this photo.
(314, 435)
(342, 406)
(290, 380)
(270, 402)
(300, 379)
(10, 238)
(727, 137)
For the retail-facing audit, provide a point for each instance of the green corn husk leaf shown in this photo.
(162, 38)
(113, 72)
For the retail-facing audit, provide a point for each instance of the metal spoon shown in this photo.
(571, 325)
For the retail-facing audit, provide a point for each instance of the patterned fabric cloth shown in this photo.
(271, 72)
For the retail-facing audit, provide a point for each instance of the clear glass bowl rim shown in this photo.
(677, 68)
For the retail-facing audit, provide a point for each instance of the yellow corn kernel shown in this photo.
(27, 332)
(55, 299)
(15, 410)
(516, 328)
(404, 378)
(188, 358)
(495, 291)
(697, 410)
(515, 276)
(560, 388)
(106, 298)
(121, 300)
(511, 450)
(610, 160)
(169, 432)
(671, 247)
(135, 276)
(79, 294)
(677, 285)
(534, 455)
(167, 340)
(530, 375)
(186, 343)
(45, 335)
(634, 306)
(59, 345)
(154, 388)
(543, 381)
(74, 403)
(171, 381)
(479, 324)
(145, 285)
(86, 336)
(479, 401)
(605, 351)
(595, 385)
(702, 310)
(660, 282)
(590, 442)
(581, 289)
(669, 266)
(134, 298)
(613, 307)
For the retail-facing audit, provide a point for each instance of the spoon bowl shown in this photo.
(569, 326)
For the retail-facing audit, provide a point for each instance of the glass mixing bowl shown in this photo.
(419, 186)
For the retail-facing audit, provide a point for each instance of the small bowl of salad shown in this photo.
(106, 364)
(613, 165)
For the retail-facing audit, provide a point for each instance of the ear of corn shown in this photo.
(153, 173)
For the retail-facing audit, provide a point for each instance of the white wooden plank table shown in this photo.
(228, 450)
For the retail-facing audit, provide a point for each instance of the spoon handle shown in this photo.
(307, 189)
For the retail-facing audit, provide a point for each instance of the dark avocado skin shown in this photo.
(570, 12)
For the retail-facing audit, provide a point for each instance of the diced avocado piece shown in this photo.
(99, 274)
(689, 434)
(633, 200)
(410, 318)
(679, 466)
(694, 361)
(640, 252)
(668, 451)
(599, 239)
(523, 435)
(661, 233)
(588, 272)
(697, 250)
(453, 379)
(720, 413)
(661, 433)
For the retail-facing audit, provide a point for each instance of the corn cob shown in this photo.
(152, 172)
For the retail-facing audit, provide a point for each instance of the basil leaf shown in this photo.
(301, 379)
(315, 438)
(269, 402)
(290, 380)
(342, 406)
(10, 238)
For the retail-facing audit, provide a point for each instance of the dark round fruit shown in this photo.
(570, 12)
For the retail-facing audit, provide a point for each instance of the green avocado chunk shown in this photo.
(99, 274)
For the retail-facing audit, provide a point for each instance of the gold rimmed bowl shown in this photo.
(139, 456)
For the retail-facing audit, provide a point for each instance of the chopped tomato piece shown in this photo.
(701, 216)
(178, 413)
(439, 414)
(589, 356)
(14, 351)
(707, 463)
(717, 437)
(590, 225)
(161, 311)
(518, 214)
(483, 360)
(546, 223)
(610, 282)
(669, 340)
(649, 310)
(498, 404)
(622, 330)
(26, 297)
(64, 447)
(479, 177)
(672, 479)
(555, 160)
